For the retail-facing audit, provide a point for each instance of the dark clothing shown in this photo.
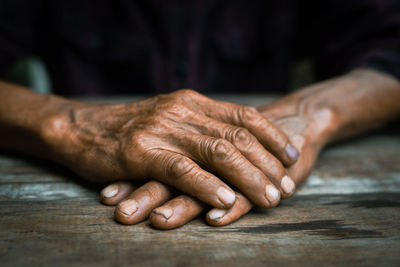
(232, 46)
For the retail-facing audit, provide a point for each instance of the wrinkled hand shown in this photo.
(307, 132)
(181, 139)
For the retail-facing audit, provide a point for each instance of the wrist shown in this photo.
(318, 126)
(340, 107)
(55, 125)
(24, 115)
(303, 117)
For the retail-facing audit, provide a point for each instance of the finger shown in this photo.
(249, 147)
(182, 173)
(224, 158)
(176, 212)
(141, 202)
(248, 117)
(267, 133)
(302, 169)
(115, 192)
(220, 217)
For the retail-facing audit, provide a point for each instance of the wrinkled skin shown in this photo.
(182, 139)
(309, 118)
(308, 137)
(192, 150)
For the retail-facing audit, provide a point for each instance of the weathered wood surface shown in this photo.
(348, 213)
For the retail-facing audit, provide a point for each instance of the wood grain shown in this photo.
(348, 213)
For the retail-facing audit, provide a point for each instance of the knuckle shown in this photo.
(174, 110)
(241, 137)
(188, 175)
(275, 168)
(195, 184)
(222, 149)
(250, 114)
(177, 109)
(139, 144)
(174, 106)
(179, 167)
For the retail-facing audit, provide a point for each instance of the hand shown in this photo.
(308, 129)
(177, 139)
(311, 117)
(156, 200)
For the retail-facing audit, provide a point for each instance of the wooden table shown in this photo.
(348, 213)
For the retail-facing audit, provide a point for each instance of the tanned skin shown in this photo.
(188, 143)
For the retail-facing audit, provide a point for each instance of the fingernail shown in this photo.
(164, 211)
(272, 193)
(110, 191)
(216, 214)
(287, 185)
(128, 207)
(226, 196)
(292, 152)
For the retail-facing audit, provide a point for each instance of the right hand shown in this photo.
(182, 139)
